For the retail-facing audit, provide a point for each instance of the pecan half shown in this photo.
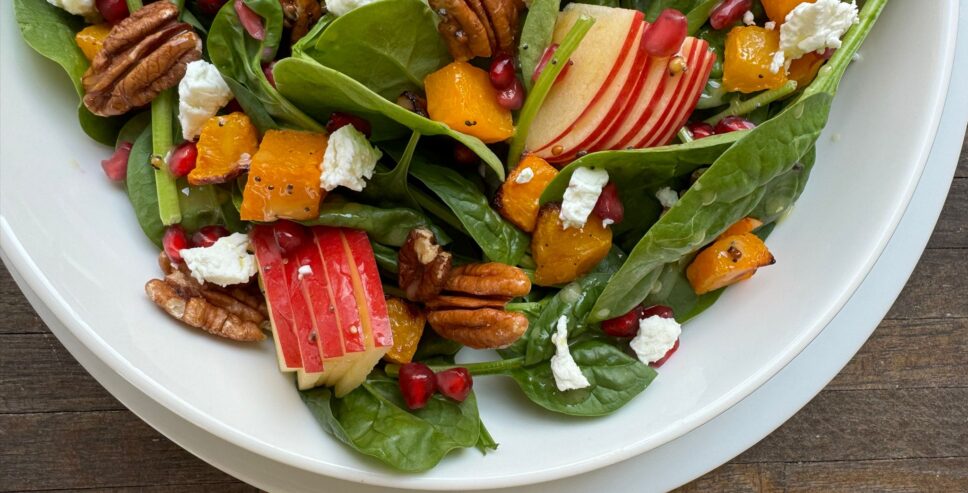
(489, 279)
(456, 301)
(423, 264)
(299, 16)
(144, 54)
(463, 30)
(483, 328)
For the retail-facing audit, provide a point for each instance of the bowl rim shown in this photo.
(19, 260)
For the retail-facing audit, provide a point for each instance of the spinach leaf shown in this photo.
(386, 257)
(575, 302)
(320, 91)
(486, 443)
(699, 14)
(782, 192)
(373, 420)
(200, 206)
(536, 35)
(432, 346)
(140, 183)
(133, 128)
(397, 39)
(499, 239)
(50, 32)
(615, 379)
(389, 226)
(657, 6)
(717, 42)
(390, 186)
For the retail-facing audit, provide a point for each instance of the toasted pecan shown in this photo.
(489, 279)
(483, 328)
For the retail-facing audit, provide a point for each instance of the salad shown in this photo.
(379, 185)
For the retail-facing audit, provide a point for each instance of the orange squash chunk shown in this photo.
(727, 261)
(225, 149)
(747, 58)
(518, 202)
(562, 255)
(777, 10)
(407, 324)
(91, 39)
(283, 181)
(804, 69)
(461, 96)
(743, 226)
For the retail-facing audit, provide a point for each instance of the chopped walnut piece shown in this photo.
(424, 265)
(483, 328)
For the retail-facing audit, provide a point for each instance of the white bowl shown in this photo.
(72, 237)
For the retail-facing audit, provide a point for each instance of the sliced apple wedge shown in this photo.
(272, 274)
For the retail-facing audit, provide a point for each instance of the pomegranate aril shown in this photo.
(417, 384)
(502, 71)
(113, 11)
(665, 36)
(208, 235)
(733, 124)
(609, 206)
(251, 21)
(728, 12)
(464, 156)
(664, 358)
(267, 70)
(625, 326)
(116, 166)
(658, 310)
(546, 57)
(183, 159)
(290, 235)
(513, 97)
(174, 241)
(210, 7)
(455, 383)
(338, 120)
(232, 107)
(700, 130)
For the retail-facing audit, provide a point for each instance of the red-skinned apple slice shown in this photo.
(679, 110)
(272, 271)
(341, 283)
(655, 79)
(597, 62)
(305, 324)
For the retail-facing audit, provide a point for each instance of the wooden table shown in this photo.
(895, 419)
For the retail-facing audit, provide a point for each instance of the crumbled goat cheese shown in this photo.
(607, 222)
(349, 158)
(224, 263)
(749, 19)
(201, 93)
(303, 271)
(580, 197)
(524, 176)
(667, 197)
(813, 27)
(341, 7)
(568, 375)
(770, 25)
(84, 8)
(657, 335)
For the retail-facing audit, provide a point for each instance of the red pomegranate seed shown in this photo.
(665, 36)
(210, 7)
(208, 235)
(174, 241)
(625, 326)
(463, 155)
(502, 71)
(729, 12)
(455, 383)
(113, 11)
(733, 124)
(609, 206)
(232, 107)
(267, 70)
(338, 120)
(417, 384)
(658, 310)
(700, 130)
(549, 52)
(513, 97)
(290, 235)
(664, 358)
(116, 166)
(182, 159)
(250, 20)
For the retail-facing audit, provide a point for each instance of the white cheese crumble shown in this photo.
(813, 27)
(524, 176)
(568, 375)
(349, 158)
(607, 222)
(770, 25)
(303, 271)
(580, 197)
(84, 8)
(667, 197)
(749, 19)
(656, 337)
(224, 263)
(201, 93)
(341, 7)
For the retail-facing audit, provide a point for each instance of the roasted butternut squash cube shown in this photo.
(805, 69)
(747, 59)
(743, 226)
(562, 255)
(91, 39)
(283, 180)
(461, 96)
(225, 149)
(727, 261)
(407, 323)
(517, 199)
(777, 10)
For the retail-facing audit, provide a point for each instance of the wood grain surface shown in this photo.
(895, 419)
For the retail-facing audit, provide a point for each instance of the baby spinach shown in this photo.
(615, 379)
(320, 91)
(390, 186)
(499, 239)
(386, 257)
(699, 14)
(50, 32)
(374, 421)
(140, 184)
(388, 226)
(782, 192)
(389, 46)
(536, 35)
(574, 302)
